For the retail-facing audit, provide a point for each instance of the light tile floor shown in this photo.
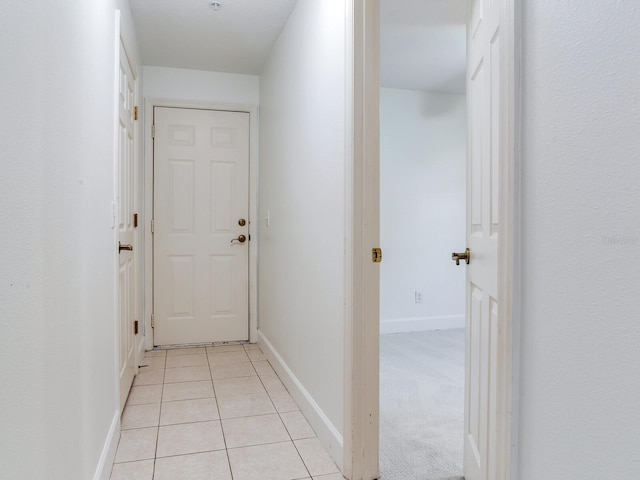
(218, 413)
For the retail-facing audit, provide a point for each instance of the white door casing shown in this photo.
(489, 238)
(125, 206)
(201, 192)
(362, 227)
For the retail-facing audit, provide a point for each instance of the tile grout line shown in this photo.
(285, 426)
(302, 459)
(274, 406)
(224, 438)
(155, 453)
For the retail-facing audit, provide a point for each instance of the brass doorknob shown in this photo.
(240, 239)
(466, 256)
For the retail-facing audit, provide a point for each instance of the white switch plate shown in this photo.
(418, 296)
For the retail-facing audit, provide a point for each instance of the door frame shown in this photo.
(362, 233)
(361, 375)
(252, 110)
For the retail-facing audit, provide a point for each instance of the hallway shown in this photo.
(215, 413)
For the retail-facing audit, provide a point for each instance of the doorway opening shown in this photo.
(422, 292)
(423, 199)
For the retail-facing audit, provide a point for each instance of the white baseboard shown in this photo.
(421, 324)
(325, 430)
(103, 470)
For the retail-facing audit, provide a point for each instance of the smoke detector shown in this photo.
(215, 5)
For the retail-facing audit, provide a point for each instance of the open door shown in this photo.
(125, 206)
(489, 238)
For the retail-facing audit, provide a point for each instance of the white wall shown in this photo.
(580, 328)
(58, 366)
(301, 256)
(199, 86)
(422, 209)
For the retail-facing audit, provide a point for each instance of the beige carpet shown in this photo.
(422, 405)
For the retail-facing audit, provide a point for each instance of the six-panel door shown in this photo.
(126, 264)
(484, 150)
(201, 196)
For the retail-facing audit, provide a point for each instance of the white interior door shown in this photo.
(484, 91)
(201, 226)
(126, 277)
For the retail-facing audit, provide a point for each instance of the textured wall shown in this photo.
(58, 364)
(580, 354)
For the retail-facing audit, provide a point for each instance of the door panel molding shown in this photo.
(252, 110)
(126, 139)
(491, 280)
(201, 190)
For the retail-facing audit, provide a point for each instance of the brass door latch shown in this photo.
(466, 256)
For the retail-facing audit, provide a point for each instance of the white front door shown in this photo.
(126, 277)
(201, 226)
(486, 94)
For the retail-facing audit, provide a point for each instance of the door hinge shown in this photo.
(153, 131)
(376, 255)
(135, 220)
(152, 225)
(135, 112)
(153, 320)
(135, 327)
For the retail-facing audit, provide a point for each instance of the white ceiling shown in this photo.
(191, 34)
(422, 41)
(423, 44)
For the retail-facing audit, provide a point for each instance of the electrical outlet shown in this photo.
(418, 296)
